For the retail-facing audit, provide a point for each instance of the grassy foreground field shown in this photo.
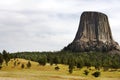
(48, 72)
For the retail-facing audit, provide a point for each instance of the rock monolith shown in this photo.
(94, 34)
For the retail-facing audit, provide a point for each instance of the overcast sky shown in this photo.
(49, 25)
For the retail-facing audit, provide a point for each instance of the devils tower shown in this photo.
(94, 34)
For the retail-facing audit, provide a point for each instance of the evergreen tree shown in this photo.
(88, 64)
(15, 63)
(28, 64)
(1, 59)
(56, 60)
(6, 57)
(97, 66)
(80, 62)
(42, 61)
(71, 64)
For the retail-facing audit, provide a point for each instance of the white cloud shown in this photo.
(29, 25)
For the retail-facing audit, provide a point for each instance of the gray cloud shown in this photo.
(48, 25)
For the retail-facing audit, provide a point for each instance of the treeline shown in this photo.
(79, 60)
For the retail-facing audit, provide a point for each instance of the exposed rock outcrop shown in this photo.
(94, 34)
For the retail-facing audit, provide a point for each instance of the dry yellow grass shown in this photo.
(37, 72)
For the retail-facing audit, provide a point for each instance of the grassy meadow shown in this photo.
(36, 72)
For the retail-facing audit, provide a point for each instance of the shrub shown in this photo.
(42, 61)
(0, 67)
(22, 66)
(106, 68)
(18, 63)
(57, 68)
(86, 72)
(96, 74)
(70, 71)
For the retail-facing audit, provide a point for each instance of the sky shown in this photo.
(49, 25)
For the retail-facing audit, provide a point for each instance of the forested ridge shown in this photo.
(88, 59)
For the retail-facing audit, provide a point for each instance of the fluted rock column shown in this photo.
(94, 34)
